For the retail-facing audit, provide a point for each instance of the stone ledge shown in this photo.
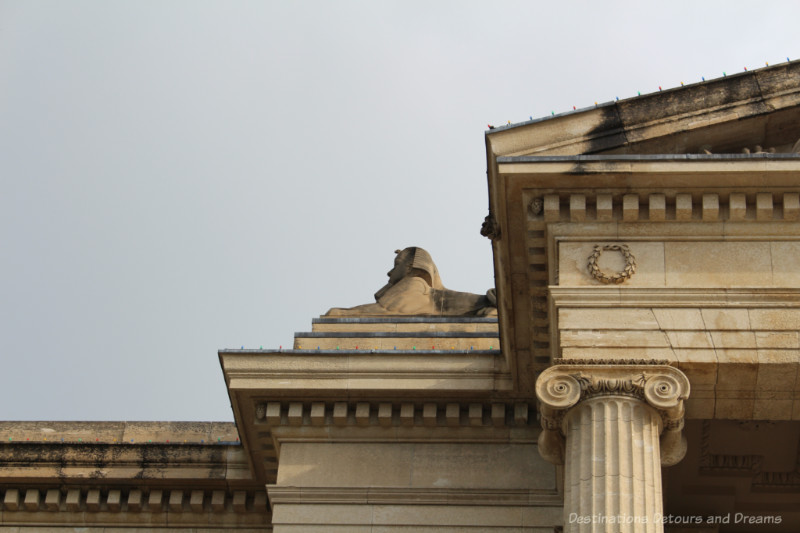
(405, 320)
(387, 495)
(397, 334)
(119, 433)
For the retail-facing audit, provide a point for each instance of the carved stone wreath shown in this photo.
(619, 277)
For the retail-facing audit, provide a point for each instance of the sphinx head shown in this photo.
(414, 261)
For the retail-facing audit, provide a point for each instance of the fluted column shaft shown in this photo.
(612, 477)
(613, 426)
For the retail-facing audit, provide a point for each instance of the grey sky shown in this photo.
(179, 177)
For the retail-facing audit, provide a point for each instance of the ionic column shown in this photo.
(612, 427)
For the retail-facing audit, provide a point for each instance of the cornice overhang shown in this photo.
(145, 474)
(538, 202)
(758, 107)
(325, 394)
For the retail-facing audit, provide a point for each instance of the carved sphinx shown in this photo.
(415, 288)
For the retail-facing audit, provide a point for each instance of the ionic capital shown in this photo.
(660, 386)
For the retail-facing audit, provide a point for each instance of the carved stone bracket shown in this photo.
(490, 228)
(661, 387)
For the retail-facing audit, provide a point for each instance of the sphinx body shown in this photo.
(415, 288)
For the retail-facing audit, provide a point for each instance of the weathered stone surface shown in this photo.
(415, 288)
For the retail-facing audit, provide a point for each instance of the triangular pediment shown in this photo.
(748, 112)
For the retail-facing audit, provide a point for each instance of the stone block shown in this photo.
(317, 415)
(135, 500)
(605, 208)
(777, 370)
(777, 339)
(764, 206)
(52, 500)
(690, 339)
(498, 414)
(294, 414)
(733, 339)
(737, 370)
(385, 414)
(260, 502)
(273, 413)
(765, 409)
(717, 264)
(475, 414)
(775, 319)
(791, 206)
(32, 499)
(700, 366)
(240, 501)
(577, 207)
(362, 413)
(452, 517)
(114, 500)
(11, 500)
(679, 318)
(407, 414)
(155, 500)
(573, 258)
(620, 319)
(196, 501)
(658, 208)
(727, 319)
(630, 207)
(737, 207)
(710, 207)
(700, 405)
(552, 208)
(93, 500)
(340, 413)
(683, 207)
(176, 501)
(452, 414)
(734, 404)
(323, 514)
(429, 414)
(218, 501)
(73, 500)
(521, 413)
(785, 258)
(599, 338)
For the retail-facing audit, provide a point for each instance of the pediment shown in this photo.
(744, 113)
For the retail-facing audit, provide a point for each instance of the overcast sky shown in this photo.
(180, 177)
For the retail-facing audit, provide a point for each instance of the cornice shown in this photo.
(337, 372)
(615, 297)
(123, 464)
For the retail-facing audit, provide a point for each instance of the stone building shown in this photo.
(641, 372)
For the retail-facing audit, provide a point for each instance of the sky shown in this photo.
(187, 176)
